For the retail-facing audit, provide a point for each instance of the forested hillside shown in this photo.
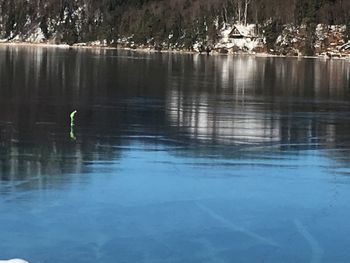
(180, 22)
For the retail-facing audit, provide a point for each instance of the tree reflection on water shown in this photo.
(186, 100)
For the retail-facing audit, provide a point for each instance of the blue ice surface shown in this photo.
(158, 204)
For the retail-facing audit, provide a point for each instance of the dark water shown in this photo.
(177, 158)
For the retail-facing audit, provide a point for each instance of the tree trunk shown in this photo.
(246, 4)
(225, 15)
(239, 11)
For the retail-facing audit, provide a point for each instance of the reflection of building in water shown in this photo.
(224, 121)
(252, 100)
(224, 99)
(211, 106)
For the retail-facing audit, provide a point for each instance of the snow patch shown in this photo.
(37, 36)
(15, 260)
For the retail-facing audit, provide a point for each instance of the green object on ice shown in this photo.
(71, 134)
(72, 118)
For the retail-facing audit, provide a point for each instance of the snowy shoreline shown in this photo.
(233, 39)
(153, 50)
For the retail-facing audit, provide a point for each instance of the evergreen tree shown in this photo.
(311, 23)
(347, 31)
(186, 20)
(271, 32)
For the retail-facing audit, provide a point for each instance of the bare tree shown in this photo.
(246, 4)
(239, 10)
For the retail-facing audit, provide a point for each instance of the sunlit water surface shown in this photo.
(173, 158)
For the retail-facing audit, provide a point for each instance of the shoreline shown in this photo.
(150, 50)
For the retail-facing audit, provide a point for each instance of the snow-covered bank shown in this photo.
(15, 260)
(330, 41)
(233, 39)
(33, 44)
(178, 51)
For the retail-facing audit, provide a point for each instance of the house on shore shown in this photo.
(238, 37)
(240, 31)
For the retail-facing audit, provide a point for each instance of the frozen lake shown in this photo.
(173, 158)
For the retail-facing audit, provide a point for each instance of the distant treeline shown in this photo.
(183, 20)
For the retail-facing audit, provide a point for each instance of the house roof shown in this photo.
(241, 30)
(346, 46)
